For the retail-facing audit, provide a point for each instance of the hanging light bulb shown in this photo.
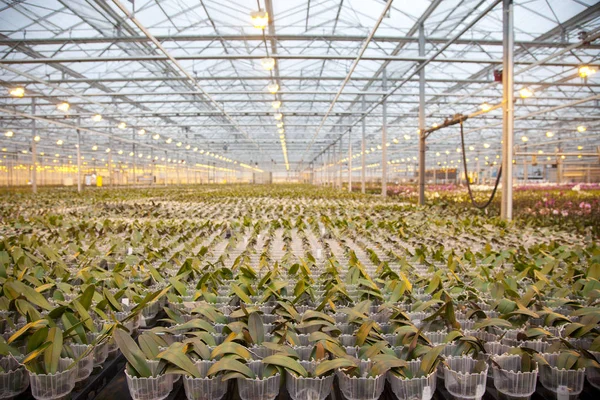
(525, 93)
(59, 142)
(273, 87)
(97, 118)
(179, 144)
(108, 149)
(94, 148)
(486, 145)
(156, 136)
(581, 129)
(280, 124)
(471, 148)
(268, 63)
(281, 131)
(142, 132)
(17, 92)
(120, 152)
(9, 133)
(188, 147)
(524, 139)
(586, 70)
(168, 141)
(131, 154)
(278, 116)
(406, 137)
(276, 104)
(122, 125)
(485, 107)
(549, 134)
(260, 19)
(64, 106)
(195, 149)
(37, 138)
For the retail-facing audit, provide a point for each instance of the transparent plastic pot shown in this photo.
(157, 387)
(510, 380)
(593, 374)
(565, 384)
(54, 386)
(421, 388)
(14, 379)
(259, 388)
(461, 381)
(361, 387)
(301, 388)
(204, 388)
(85, 364)
(100, 350)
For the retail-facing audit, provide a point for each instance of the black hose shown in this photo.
(475, 204)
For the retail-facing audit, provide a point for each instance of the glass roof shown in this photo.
(190, 72)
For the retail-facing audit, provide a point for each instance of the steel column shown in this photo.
(363, 148)
(78, 155)
(422, 118)
(350, 160)
(33, 150)
(506, 207)
(384, 138)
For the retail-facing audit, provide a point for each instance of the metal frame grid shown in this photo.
(188, 72)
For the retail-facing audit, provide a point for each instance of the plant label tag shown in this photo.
(319, 253)
(427, 395)
(562, 393)
(129, 251)
(125, 301)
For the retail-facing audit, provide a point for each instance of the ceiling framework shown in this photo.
(188, 74)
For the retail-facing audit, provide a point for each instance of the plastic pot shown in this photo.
(565, 384)
(204, 388)
(460, 379)
(260, 388)
(157, 387)
(54, 386)
(510, 380)
(421, 388)
(361, 387)
(593, 374)
(301, 388)
(14, 379)
(85, 365)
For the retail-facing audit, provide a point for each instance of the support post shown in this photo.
(363, 149)
(134, 156)
(384, 139)
(350, 160)
(33, 150)
(110, 168)
(341, 153)
(422, 118)
(506, 207)
(78, 155)
(166, 170)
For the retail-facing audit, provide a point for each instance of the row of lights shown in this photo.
(260, 20)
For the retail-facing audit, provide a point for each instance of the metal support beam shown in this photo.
(363, 149)
(422, 136)
(384, 138)
(506, 206)
(33, 150)
(78, 155)
(350, 161)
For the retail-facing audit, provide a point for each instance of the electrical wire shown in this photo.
(475, 204)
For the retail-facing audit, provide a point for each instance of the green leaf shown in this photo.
(52, 353)
(175, 354)
(256, 328)
(231, 348)
(111, 300)
(287, 363)
(430, 360)
(86, 297)
(133, 354)
(31, 325)
(230, 365)
(329, 365)
(30, 294)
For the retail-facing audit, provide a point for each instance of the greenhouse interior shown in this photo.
(300, 199)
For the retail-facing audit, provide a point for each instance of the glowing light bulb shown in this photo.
(276, 104)
(524, 139)
(169, 140)
(142, 132)
(64, 106)
(525, 93)
(273, 87)
(17, 92)
(156, 136)
(9, 133)
(97, 118)
(268, 63)
(581, 129)
(586, 70)
(486, 145)
(59, 142)
(94, 148)
(278, 116)
(37, 138)
(260, 19)
(485, 107)
(549, 134)
(122, 125)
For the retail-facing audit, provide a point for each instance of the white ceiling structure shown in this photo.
(189, 73)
